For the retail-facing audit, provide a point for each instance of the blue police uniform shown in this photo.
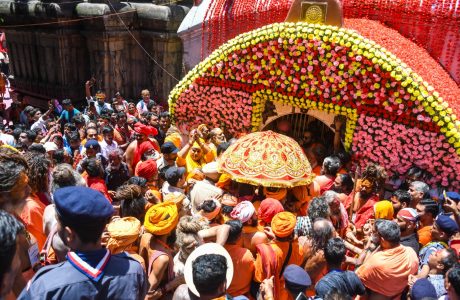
(87, 274)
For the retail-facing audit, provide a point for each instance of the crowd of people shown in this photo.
(115, 202)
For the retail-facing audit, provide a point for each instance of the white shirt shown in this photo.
(141, 107)
(7, 139)
(40, 123)
(106, 148)
(96, 104)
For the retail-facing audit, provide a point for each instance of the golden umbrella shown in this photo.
(267, 158)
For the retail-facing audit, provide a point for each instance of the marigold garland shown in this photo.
(318, 67)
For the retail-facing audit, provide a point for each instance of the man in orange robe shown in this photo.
(272, 258)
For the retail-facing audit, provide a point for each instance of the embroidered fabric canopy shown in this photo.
(267, 158)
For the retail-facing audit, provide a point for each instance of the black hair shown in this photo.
(34, 111)
(140, 181)
(66, 102)
(10, 228)
(59, 156)
(37, 148)
(164, 114)
(335, 294)
(12, 164)
(347, 183)
(121, 114)
(450, 260)
(222, 147)
(105, 115)
(70, 126)
(132, 202)
(78, 119)
(151, 115)
(226, 209)
(16, 133)
(151, 104)
(88, 234)
(318, 208)
(344, 157)
(236, 227)
(92, 167)
(416, 172)
(453, 277)
(388, 230)
(107, 129)
(31, 135)
(208, 206)
(331, 165)
(430, 207)
(335, 251)
(402, 196)
(209, 273)
(74, 136)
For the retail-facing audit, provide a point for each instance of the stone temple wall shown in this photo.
(55, 60)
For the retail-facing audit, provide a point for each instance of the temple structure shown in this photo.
(55, 47)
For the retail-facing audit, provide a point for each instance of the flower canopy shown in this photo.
(267, 158)
(394, 117)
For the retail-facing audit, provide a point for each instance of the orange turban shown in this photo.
(283, 224)
(123, 232)
(161, 218)
(147, 169)
(144, 129)
(280, 194)
(268, 209)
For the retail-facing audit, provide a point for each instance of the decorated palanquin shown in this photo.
(401, 106)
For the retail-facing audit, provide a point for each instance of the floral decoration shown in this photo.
(317, 67)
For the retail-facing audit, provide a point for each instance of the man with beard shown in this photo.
(368, 186)
(140, 145)
(90, 269)
(14, 190)
(400, 199)
(117, 172)
(217, 137)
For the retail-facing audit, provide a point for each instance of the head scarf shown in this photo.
(161, 218)
(141, 149)
(144, 129)
(174, 138)
(211, 215)
(123, 232)
(408, 214)
(202, 191)
(243, 211)
(384, 210)
(268, 209)
(283, 224)
(147, 169)
(278, 195)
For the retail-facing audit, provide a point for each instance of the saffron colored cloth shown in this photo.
(141, 149)
(386, 272)
(242, 260)
(161, 218)
(32, 216)
(384, 210)
(269, 261)
(366, 212)
(424, 235)
(280, 194)
(98, 184)
(283, 224)
(190, 164)
(268, 209)
(325, 183)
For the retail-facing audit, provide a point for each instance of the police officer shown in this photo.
(90, 271)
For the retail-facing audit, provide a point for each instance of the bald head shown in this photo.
(323, 230)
